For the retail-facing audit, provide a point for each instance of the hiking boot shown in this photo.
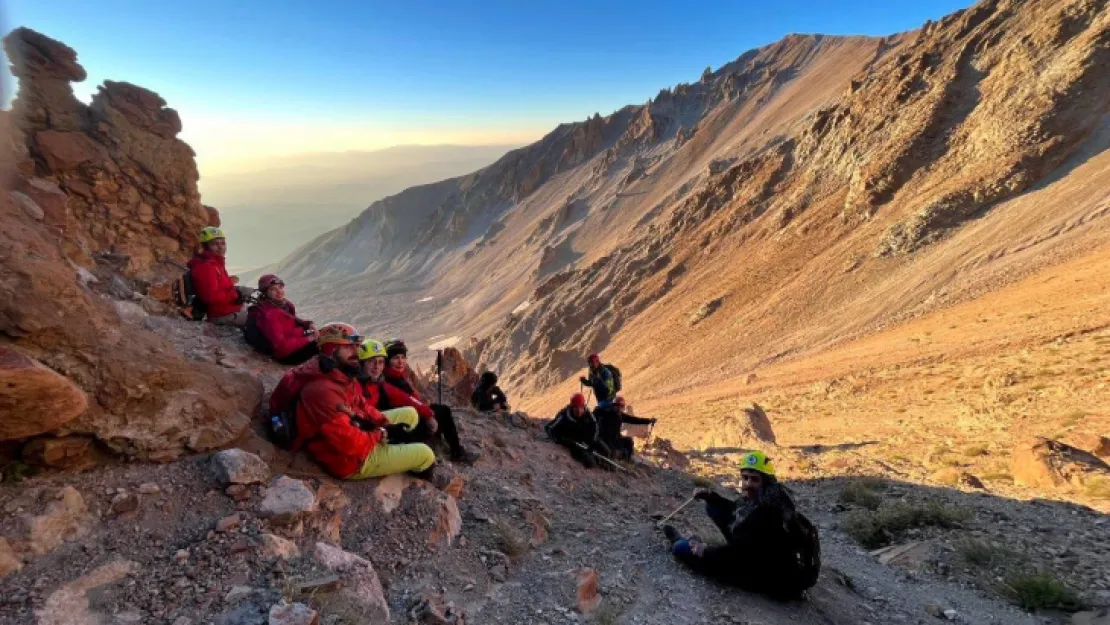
(462, 456)
(671, 533)
(428, 475)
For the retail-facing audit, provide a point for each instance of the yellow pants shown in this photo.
(387, 459)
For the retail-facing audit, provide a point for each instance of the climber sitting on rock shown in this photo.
(609, 423)
(421, 423)
(216, 290)
(487, 396)
(603, 379)
(771, 548)
(347, 436)
(576, 429)
(273, 327)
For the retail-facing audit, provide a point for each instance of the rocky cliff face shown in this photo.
(100, 203)
(130, 185)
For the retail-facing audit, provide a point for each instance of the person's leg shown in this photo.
(406, 426)
(301, 355)
(450, 431)
(721, 517)
(238, 319)
(387, 459)
(581, 455)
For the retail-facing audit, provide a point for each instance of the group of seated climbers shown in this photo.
(354, 410)
(350, 404)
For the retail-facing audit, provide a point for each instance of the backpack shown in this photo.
(807, 546)
(185, 298)
(616, 378)
(281, 426)
(254, 336)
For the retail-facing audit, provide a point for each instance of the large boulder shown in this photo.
(361, 586)
(235, 466)
(34, 399)
(1045, 463)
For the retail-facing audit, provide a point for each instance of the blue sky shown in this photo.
(254, 78)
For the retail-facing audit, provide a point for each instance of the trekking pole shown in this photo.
(439, 373)
(677, 510)
(602, 458)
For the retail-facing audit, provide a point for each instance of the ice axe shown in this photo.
(677, 510)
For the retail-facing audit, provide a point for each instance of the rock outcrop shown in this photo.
(131, 185)
(117, 206)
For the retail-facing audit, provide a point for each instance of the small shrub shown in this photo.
(983, 554)
(16, 472)
(974, 451)
(511, 542)
(858, 493)
(1040, 591)
(885, 525)
(607, 614)
(1098, 488)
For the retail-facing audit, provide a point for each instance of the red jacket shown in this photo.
(384, 396)
(400, 380)
(212, 284)
(278, 322)
(330, 437)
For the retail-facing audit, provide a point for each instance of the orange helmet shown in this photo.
(339, 334)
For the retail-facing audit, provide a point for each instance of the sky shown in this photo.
(255, 79)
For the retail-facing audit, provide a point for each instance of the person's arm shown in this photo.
(631, 420)
(397, 397)
(322, 405)
(206, 283)
(269, 323)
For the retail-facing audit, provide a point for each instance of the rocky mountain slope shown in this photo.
(799, 196)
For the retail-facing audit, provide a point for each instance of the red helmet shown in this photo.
(593, 358)
(578, 399)
(268, 281)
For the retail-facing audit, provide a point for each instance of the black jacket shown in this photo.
(488, 396)
(565, 428)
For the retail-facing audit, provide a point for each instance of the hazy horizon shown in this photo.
(268, 213)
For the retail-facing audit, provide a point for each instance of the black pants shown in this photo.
(609, 430)
(301, 355)
(448, 429)
(586, 456)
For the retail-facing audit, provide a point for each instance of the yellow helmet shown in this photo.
(371, 349)
(338, 333)
(757, 461)
(211, 233)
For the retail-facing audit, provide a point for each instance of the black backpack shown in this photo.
(807, 547)
(185, 298)
(616, 377)
(254, 336)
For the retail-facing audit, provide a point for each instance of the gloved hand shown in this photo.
(584, 380)
(395, 431)
(702, 493)
(653, 421)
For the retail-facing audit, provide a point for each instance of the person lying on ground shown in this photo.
(217, 291)
(576, 429)
(488, 397)
(428, 424)
(338, 428)
(609, 422)
(273, 327)
(771, 548)
(601, 379)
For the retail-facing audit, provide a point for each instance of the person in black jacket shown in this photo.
(609, 422)
(771, 548)
(488, 397)
(576, 429)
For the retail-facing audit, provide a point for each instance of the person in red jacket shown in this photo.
(217, 291)
(382, 393)
(348, 437)
(273, 327)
